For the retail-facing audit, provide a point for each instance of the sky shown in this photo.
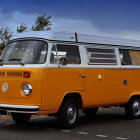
(113, 18)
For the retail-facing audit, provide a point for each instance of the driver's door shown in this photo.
(60, 79)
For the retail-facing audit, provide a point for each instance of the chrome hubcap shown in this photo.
(136, 107)
(71, 113)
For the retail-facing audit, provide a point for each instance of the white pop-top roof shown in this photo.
(68, 36)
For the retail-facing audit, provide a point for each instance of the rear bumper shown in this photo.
(19, 108)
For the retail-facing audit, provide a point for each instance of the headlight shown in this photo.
(27, 89)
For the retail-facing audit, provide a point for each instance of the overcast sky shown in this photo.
(117, 18)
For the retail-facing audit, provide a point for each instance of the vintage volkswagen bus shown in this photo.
(60, 73)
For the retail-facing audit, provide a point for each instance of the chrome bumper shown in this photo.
(19, 108)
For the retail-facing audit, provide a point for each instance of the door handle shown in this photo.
(82, 76)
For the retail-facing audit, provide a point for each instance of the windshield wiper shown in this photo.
(17, 60)
(1, 64)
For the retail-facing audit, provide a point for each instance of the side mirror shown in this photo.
(63, 61)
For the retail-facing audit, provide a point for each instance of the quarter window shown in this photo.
(100, 56)
(135, 57)
(130, 57)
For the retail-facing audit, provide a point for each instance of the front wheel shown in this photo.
(68, 113)
(132, 109)
(21, 117)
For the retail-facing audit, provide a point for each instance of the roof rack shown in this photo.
(76, 37)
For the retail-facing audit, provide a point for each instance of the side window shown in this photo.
(100, 56)
(125, 57)
(70, 52)
(135, 57)
(130, 57)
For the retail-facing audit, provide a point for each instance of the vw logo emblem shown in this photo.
(5, 87)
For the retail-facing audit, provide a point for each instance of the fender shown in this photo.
(137, 93)
(66, 93)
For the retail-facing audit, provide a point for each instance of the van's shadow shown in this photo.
(49, 123)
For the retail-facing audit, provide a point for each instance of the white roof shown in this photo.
(68, 36)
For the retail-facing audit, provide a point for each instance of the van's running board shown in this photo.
(19, 108)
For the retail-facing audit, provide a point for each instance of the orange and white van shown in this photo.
(61, 73)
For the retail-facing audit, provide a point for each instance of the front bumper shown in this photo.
(19, 108)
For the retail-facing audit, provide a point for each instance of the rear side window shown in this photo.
(130, 57)
(101, 56)
(135, 57)
(70, 52)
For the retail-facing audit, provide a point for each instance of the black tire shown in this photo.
(68, 113)
(132, 108)
(21, 118)
(90, 112)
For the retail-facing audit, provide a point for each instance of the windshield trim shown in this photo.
(25, 63)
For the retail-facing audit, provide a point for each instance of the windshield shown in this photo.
(25, 51)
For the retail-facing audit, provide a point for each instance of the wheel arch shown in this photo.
(130, 105)
(75, 95)
(134, 95)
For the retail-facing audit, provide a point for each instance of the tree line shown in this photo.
(42, 23)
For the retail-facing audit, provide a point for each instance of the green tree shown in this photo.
(22, 28)
(42, 23)
(5, 35)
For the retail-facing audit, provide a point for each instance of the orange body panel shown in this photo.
(109, 90)
(14, 95)
(58, 82)
(100, 87)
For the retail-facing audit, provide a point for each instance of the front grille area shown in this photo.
(15, 74)
(2, 73)
(11, 74)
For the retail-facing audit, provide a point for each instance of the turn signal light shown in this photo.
(26, 75)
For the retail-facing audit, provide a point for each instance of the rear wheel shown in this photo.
(132, 108)
(68, 113)
(21, 117)
(90, 112)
